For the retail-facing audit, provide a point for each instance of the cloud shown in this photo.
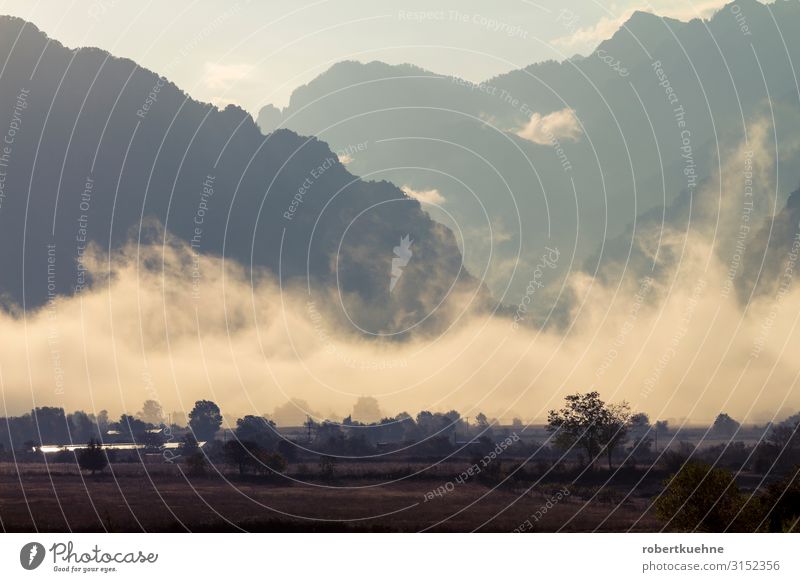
(345, 158)
(677, 348)
(559, 125)
(218, 76)
(431, 196)
(585, 39)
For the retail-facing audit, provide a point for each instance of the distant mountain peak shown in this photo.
(793, 202)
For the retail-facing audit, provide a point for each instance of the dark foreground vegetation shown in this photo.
(593, 467)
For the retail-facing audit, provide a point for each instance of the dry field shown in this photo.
(161, 498)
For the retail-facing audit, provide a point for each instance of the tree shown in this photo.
(329, 436)
(725, 425)
(82, 427)
(102, 421)
(614, 429)
(451, 423)
(288, 450)
(426, 423)
(93, 457)
(242, 454)
(177, 418)
(780, 449)
(270, 464)
(484, 426)
(588, 423)
(293, 413)
(781, 504)
(196, 463)
(189, 444)
(131, 428)
(327, 466)
(151, 412)
(700, 498)
(195, 459)
(205, 420)
(311, 426)
(640, 431)
(639, 424)
(51, 424)
(257, 429)
(366, 410)
(153, 440)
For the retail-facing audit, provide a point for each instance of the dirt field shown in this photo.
(163, 499)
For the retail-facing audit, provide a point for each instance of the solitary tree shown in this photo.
(725, 425)
(205, 420)
(589, 423)
(93, 457)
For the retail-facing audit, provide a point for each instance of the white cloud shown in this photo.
(543, 129)
(217, 76)
(345, 158)
(586, 39)
(251, 342)
(432, 196)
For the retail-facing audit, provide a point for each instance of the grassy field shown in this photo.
(160, 497)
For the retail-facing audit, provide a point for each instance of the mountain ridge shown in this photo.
(147, 148)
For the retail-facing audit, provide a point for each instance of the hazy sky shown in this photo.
(255, 52)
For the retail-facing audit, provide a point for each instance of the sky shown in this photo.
(256, 52)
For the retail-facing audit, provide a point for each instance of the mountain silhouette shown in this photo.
(623, 160)
(104, 149)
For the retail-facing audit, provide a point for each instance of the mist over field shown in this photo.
(682, 343)
(174, 252)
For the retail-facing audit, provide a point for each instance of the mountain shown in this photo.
(769, 263)
(99, 149)
(569, 154)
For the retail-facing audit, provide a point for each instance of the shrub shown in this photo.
(781, 504)
(270, 464)
(701, 498)
(93, 457)
(197, 464)
(327, 466)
